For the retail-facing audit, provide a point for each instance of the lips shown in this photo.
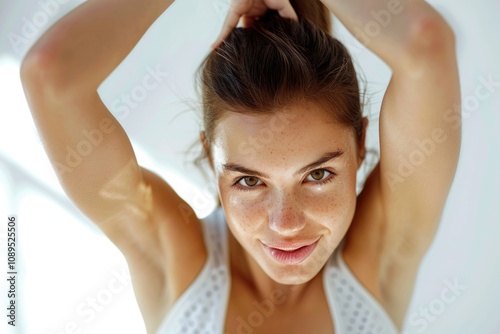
(290, 252)
(290, 245)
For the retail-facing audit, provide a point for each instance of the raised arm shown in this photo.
(92, 154)
(420, 134)
(91, 41)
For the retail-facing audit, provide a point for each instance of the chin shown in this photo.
(292, 279)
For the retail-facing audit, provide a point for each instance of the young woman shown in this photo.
(292, 249)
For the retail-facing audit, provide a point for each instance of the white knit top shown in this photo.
(201, 309)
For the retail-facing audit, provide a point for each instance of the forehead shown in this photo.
(286, 137)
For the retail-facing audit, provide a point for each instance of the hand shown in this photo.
(250, 10)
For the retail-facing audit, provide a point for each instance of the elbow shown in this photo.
(430, 35)
(31, 68)
(42, 83)
(40, 69)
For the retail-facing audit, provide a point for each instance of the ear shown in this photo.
(361, 147)
(206, 148)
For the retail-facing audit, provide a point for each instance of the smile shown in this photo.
(293, 256)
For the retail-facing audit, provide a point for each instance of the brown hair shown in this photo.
(278, 63)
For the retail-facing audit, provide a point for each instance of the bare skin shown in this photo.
(389, 226)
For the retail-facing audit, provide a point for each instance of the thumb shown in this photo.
(288, 12)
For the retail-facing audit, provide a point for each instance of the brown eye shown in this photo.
(250, 181)
(318, 174)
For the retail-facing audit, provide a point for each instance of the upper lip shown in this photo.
(290, 245)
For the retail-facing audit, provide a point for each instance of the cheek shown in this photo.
(334, 207)
(245, 212)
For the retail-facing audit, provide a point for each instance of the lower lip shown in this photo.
(291, 257)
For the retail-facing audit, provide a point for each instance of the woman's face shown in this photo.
(285, 181)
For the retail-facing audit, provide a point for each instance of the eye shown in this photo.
(248, 182)
(320, 176)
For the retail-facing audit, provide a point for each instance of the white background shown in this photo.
(64, 261)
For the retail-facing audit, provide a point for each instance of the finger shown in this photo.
(248, 21)
(230, 23)
(288, 12)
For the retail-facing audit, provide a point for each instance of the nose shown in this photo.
(285, 216)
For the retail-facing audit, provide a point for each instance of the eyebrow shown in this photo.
(232, 167)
